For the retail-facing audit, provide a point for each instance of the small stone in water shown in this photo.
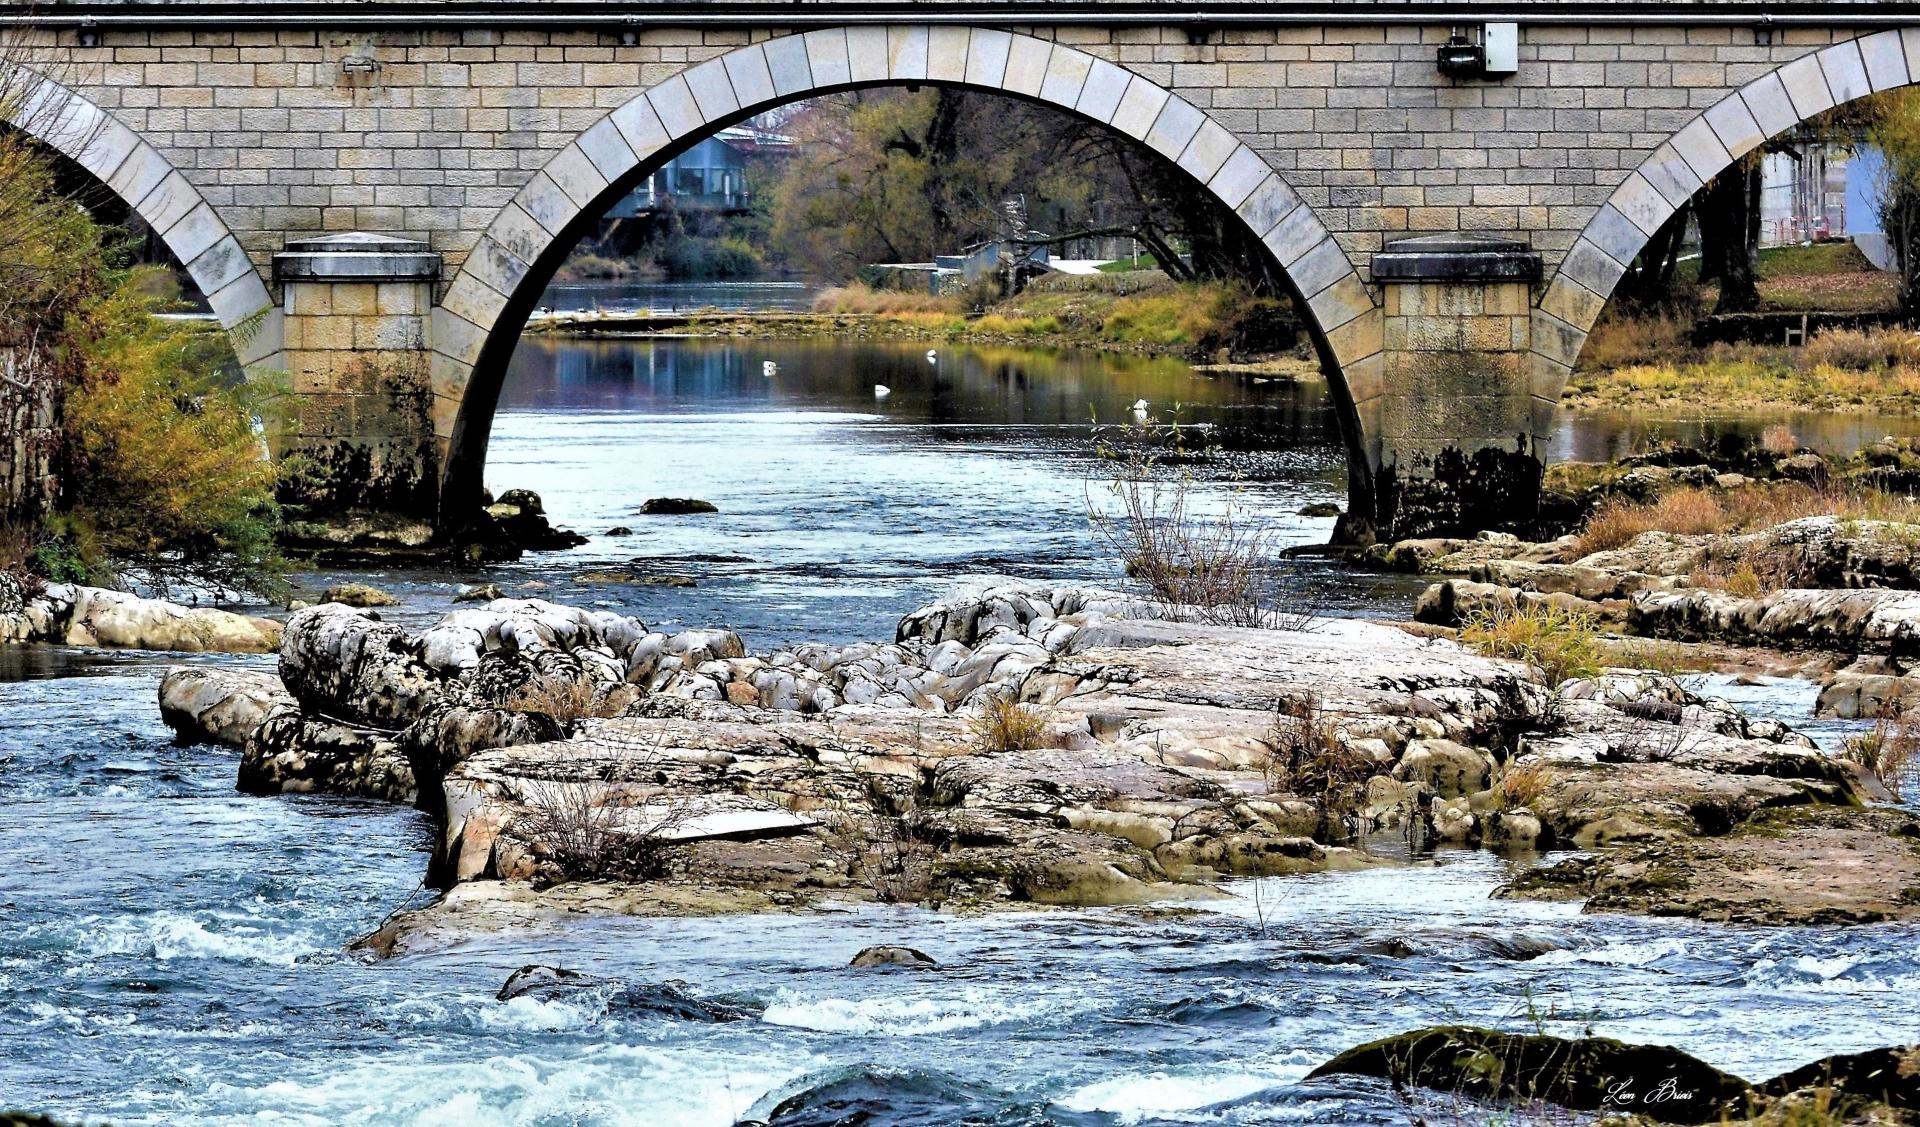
(676, 506)
(358, 595)
(887, 955)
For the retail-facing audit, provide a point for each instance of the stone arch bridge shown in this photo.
(374, 195)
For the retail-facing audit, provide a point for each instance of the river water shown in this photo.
(175, 953)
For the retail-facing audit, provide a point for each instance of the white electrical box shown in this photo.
(1501, 41)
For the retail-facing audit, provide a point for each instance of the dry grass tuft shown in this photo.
(1615, 524)
(1891, 752)
(1695, 511)
(1624, 342)
(1519, 787)
(1306, 756)
(857, 298)
(1558, 645)
(568, 701)
(1864, 350)
(1779, 440)
(1004, 724)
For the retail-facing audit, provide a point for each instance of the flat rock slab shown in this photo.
(735, 818)
(1814, 866)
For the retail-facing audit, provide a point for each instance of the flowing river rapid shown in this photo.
(174, 952)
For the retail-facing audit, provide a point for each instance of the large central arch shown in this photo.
(480, 318)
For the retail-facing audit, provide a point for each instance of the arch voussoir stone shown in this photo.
(478, 318)
(165, 200)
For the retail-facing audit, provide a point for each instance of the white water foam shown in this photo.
(1137, 1096)
(177, 935)
(973, 1008)
(607, 1085)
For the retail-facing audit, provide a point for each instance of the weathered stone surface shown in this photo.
(1864, 621)
(1815, 866)
(211, 704)
(339, 662)
(1153, 767)
(1585, 1074)
(291, 753)
(888, 956)
(94, 616)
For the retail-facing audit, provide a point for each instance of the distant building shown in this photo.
(711, 176)
(1803, 193)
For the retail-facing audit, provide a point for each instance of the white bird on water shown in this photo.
(768, 368)
(933, 357)
(1139, 408)
(881, 391)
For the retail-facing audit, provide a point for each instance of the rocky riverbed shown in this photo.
(1030, 747)
(1854, 605)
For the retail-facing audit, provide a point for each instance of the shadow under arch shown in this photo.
(480, 318)
(1681, 165)
(142, 177)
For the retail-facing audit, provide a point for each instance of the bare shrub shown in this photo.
(1307, 756)
(1863, 350)
(1004, 724)
(1891, 752)
(1653, 734)
(889, 842)
(1213, 567)
(1623, 342)
(580, 814)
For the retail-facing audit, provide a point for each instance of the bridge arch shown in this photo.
(480, 317)
(156, 191)
(1681, 165)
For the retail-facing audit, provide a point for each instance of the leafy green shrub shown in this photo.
(166, 445)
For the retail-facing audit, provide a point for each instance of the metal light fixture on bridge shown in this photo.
(1488, 51)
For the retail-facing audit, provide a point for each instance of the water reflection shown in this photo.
(1601, 436)
(840, 511)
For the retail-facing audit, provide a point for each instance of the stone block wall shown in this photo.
(280, 139)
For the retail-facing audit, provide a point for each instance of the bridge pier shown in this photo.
(1455, 433)
(356, 311)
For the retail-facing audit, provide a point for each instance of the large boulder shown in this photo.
(294, 753)
(358, 595)
(99, 617)
(210, 704)
(342, 663)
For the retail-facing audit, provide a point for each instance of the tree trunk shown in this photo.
(1905, 233)
(1648, 282)
(1730, 226)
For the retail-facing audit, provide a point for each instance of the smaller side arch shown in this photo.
(503, 275)
(1676, 170)
(169, 203)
